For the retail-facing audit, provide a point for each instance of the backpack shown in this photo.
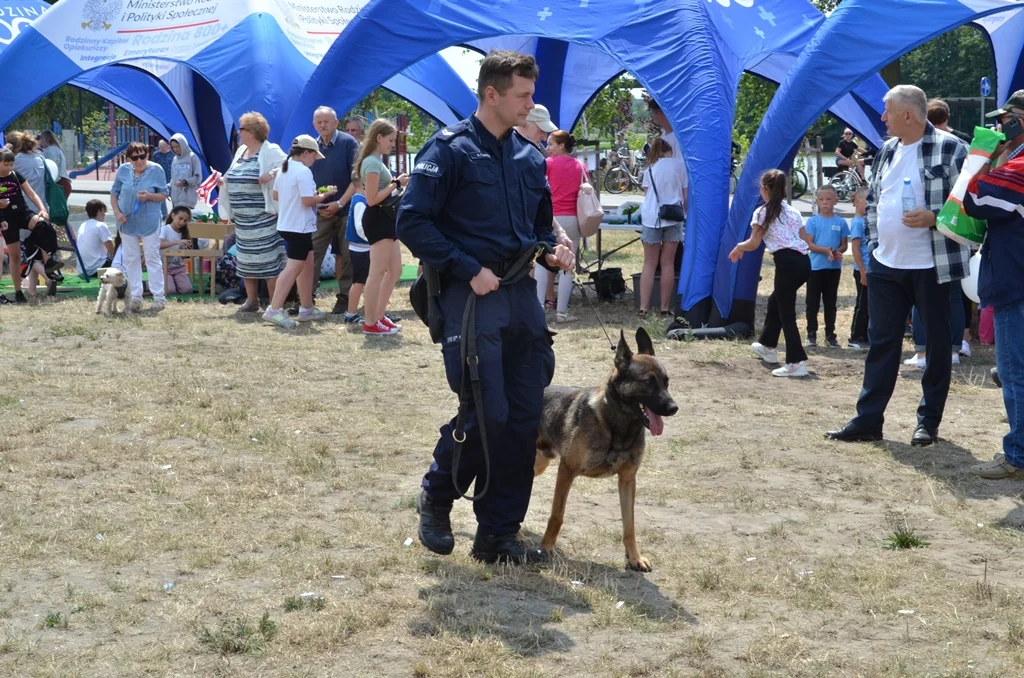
(55, 200)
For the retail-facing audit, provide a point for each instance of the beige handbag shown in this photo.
(588, 208)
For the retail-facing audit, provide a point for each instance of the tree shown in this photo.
(610, 111)
(382, 103)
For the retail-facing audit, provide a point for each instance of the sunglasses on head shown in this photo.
(133, 158)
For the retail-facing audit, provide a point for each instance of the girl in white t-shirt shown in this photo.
(174, 235)
(781, 229)
(296, 196)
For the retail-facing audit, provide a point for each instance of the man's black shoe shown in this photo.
(435, 524)
(505, 548)
(854, 434)
(924, 436)
(340, 306)
(995, 377)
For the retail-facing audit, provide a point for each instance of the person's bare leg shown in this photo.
(391, 276)
(252, 290)
(305, 282)
(668, 274)
(651, 253)
(14, 251)
(285, 280)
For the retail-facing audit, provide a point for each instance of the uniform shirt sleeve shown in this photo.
(431, 181)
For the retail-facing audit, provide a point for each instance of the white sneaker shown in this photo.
(914, 361)
(135, 305)
(769, 355)
(158, 305)
(792, 370)
(956, 358)
(965, 348)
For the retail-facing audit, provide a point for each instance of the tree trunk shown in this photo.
(891, 74)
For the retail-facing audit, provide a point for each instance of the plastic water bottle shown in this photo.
(909, 201)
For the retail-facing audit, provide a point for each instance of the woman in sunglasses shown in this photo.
(138, 191)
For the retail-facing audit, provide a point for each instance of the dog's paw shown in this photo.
(639, 564)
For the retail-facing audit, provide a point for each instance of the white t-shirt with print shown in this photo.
(900, 246)
(784, 232)
(291, 187)
(90, 238)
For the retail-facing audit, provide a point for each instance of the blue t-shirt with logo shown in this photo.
(827, 232)
(857, 226)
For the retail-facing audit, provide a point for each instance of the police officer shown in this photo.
(476, 206)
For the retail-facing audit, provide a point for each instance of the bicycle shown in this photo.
(620, 178)
(846, 184)
(798, 183)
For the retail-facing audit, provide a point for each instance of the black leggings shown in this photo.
(791, 272)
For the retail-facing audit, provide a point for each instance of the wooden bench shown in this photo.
(208, 231)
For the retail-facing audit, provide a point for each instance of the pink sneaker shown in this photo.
(379, 329)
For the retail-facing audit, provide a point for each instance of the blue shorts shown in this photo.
(656, 236)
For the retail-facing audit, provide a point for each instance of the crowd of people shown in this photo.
(336, 193)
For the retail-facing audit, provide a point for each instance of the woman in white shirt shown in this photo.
(663, 183)
(296, 196)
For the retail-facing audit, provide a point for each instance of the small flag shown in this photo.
(208, 186)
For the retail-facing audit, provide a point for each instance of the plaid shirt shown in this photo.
(939, 158)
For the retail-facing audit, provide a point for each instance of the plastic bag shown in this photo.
(952, 221)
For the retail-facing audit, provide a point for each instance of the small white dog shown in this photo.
(106, 304)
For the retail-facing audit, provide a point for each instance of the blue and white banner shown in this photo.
(15, 15)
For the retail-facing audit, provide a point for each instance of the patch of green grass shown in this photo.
(296, 603)
(74, 331)
(904, 537)
(237, 636)
(56, 620)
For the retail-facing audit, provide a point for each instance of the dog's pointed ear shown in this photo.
(644, 345)
(623, 354)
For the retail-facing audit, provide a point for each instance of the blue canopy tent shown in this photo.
(688, 54)
(822, 74)
(200, 68)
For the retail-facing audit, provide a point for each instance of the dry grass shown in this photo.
(248, 466)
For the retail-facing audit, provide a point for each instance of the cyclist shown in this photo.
(848, 153)
(621, 149)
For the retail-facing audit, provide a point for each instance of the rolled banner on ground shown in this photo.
(952, 222)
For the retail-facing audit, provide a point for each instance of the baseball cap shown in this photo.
(309, 143)
(539, 116)
(1013, 106)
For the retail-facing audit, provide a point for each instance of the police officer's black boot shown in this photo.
(435, 524)
(505, 548)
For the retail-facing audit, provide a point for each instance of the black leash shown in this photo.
(471, 366)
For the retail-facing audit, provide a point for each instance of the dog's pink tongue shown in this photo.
(657, 423)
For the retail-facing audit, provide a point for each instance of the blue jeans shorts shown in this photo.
(656, 236)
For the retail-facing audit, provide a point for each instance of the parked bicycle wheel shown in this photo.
(799, 183)
(617, 180)
(844, 184)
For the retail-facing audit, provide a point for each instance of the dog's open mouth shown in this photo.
(654, 422)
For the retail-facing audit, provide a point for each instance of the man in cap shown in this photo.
(538, 126)
(997, 195)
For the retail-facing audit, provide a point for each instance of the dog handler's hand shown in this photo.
(484, 282)
(563, 258)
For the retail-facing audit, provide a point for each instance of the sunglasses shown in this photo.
(133, 158)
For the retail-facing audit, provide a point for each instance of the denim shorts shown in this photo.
(656, 236)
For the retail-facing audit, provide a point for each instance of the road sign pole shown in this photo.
(986, 89)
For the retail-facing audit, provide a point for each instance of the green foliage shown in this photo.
(610, 111)
(951, 65)
(383, 104)
(62, 106)
(96, 128)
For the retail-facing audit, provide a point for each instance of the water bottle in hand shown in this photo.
(909, 201)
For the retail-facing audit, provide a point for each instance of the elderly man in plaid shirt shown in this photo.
(912, 264)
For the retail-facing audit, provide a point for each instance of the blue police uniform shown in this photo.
(472, 201)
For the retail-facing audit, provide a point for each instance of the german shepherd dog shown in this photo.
(598, 432)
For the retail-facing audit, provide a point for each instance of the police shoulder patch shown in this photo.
(428, 168)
